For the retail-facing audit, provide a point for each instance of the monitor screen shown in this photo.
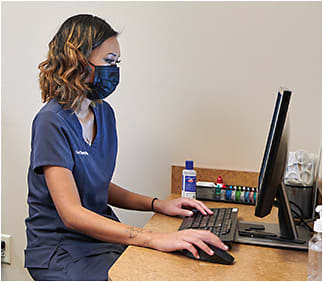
(274, 159)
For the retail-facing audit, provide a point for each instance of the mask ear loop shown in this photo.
(95, 78)
(92, 64)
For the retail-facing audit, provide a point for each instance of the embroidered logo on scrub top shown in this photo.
(82, 153)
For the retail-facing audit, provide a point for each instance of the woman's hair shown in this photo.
(64, 72)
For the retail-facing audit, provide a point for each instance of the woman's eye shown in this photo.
(110, 61)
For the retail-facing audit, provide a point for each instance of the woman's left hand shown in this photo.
(180, 206)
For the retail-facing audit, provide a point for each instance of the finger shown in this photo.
(211, 238)
(201, 205)
(199, 243)
(194, 204)
(191, 249)
(183, 212)
(205, 207)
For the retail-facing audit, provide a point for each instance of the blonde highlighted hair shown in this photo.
(63, 74)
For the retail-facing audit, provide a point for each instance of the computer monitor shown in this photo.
(271, 189)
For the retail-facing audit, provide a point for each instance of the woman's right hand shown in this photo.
(187, 239)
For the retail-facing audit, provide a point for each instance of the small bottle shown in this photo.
(228, 193)
(217, 192)
(251, 195)
(255, 195)
(246, 196)
(242, 195)
(238, 193)
(315, 250)
(223, 191)
(233, 194)
(219, 184)
(189, 181)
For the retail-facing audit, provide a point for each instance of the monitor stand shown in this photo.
(283, 235)
(268, 234)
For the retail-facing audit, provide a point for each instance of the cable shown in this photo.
(301, 220)
(300, 217)
(312, 219)
(298, 207)
(296, 217)
(308, 219)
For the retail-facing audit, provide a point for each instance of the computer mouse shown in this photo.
(220, 256)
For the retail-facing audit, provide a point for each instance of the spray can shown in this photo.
(189, 181)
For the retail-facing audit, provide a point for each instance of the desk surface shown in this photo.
(251, 262)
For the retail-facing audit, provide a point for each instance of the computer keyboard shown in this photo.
(222, 222)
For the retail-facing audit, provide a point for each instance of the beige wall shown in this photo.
(198, 81)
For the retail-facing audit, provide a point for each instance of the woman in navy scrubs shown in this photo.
(72, 232)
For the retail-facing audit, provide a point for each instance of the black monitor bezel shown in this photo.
(267, 190)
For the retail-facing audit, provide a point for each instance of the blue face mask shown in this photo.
(106, 79)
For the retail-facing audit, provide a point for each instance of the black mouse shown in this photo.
(220, 256)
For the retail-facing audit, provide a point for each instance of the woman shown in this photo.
(72, 232)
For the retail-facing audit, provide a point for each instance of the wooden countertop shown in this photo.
(251, 262)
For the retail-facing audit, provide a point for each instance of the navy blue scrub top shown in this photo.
(57, 141)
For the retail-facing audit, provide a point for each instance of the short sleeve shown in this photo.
(50, 144)
(110, 112)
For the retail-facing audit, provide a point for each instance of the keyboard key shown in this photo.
(204, 221)
(211, 220)
(228, 226)
(196, 223)
(187, 222)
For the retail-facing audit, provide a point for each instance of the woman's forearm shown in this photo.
(104, 229)
(125, 199)
(108, 230)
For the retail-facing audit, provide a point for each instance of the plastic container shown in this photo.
(315, 250)
(189, 181)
